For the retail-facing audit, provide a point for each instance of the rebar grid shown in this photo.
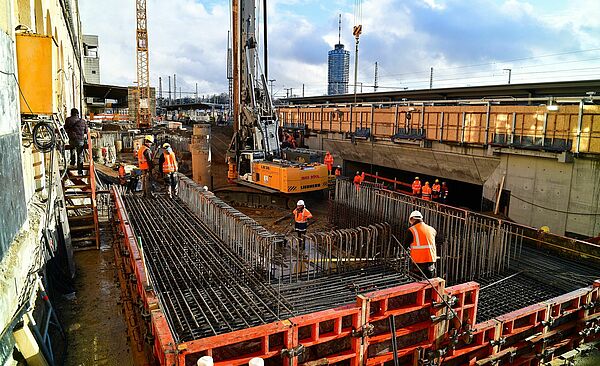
(205, 288)
(470, 245)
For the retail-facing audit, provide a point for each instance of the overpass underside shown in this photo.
(548, 154)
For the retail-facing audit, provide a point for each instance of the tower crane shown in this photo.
(142, 91)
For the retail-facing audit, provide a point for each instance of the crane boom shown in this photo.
(142, 95)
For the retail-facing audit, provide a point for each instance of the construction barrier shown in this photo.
(416, 323)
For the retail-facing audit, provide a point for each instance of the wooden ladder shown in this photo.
(81, 204)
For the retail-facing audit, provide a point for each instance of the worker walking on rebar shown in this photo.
(168, 163)
(436, 191)
(416, 187)
(328, 161)
(146, 164)
(420, 239)
(301, 217)
(426, 192)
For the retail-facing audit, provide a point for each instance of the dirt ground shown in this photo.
(96, 330)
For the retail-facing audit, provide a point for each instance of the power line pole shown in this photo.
(431, 79)
(160, 89)
(175, 88)
(169, 103)
(509, 74)
(375, 83)
(196, 98)
(302, 90)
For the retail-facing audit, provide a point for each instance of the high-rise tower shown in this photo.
(338, 61)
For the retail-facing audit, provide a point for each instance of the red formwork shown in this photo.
(412, 306)
(162, 339)
(359, 334)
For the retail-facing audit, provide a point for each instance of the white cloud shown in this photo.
(405, 37)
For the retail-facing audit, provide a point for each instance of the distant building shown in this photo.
(91, 61)
(339, 66)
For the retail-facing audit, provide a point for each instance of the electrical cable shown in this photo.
(18, 86)
(554, 210)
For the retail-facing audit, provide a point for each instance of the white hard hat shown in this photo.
(205, 361)
(256, 361)
(300, 203)
(416, 215)
(205, 188)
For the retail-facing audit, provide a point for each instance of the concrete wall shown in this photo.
(550, 189)
(91, 68)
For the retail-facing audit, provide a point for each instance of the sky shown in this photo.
(467, 43)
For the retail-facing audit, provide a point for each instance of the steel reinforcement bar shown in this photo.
(470, 245)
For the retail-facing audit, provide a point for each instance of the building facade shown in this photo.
(40, 78)
(338, 62)
(91, 59)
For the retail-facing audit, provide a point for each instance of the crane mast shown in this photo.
(142, 92)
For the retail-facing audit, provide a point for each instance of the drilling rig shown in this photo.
(255, 152)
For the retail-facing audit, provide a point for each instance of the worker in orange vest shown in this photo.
(338, 171)
(416, 187)
(301, 217)
(436, 190)
(122, 174)
(328, 160)
(169, 167)
(426, 192)
(420, 238)
(358, 180)
(146, 164)
(231, 170)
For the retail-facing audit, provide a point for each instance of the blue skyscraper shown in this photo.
(339, 66)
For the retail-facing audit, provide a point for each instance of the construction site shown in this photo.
(140, 229)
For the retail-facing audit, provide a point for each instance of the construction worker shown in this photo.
(328, 161)
(426, 192)
(420, 239)
(231, 171)
(436, 191)
(358, 180)
(122, 174)
(169, 167)
(301, 217)
(444, 192)
(77, 130)
(416, 187)
(146, 164)
(338, 171)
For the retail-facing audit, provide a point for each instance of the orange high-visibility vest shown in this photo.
(328, 161)
(142, 162)
(426, 192)
(301, 217)
(435, 190)
(170, 164)
(416, 187)
(422, 248)
(121, 171)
